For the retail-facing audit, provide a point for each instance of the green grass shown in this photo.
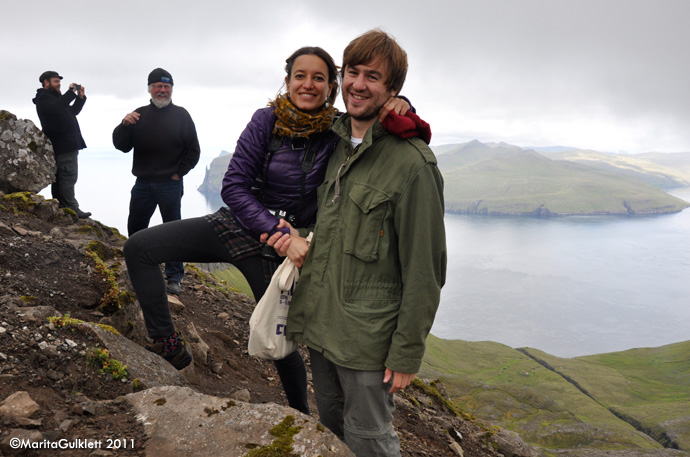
(650, 386)
(230, 275)
(520, 182)
(234, 278)
(503, 385)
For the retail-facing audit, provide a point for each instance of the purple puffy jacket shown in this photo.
(282, 190)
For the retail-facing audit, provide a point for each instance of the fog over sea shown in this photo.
(568, 286)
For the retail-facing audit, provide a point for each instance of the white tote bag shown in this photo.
(269, 319)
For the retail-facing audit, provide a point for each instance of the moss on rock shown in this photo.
(282, 445)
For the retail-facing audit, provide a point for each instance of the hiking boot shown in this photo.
(172, 349)
(174, 288)
(82, 214)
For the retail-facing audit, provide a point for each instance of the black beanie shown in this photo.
(160, 76)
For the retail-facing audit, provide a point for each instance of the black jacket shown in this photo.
(59, 118)
(164, 141)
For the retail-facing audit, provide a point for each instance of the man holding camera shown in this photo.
(166, 148)
(58, 115)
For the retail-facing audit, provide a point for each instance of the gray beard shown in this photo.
(161, 104)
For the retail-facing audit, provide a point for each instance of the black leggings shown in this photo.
(194, 240)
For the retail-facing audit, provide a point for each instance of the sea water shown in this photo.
(569, 286)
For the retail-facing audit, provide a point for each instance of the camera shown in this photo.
(77, 87)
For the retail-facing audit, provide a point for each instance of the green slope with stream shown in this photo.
(638, 399)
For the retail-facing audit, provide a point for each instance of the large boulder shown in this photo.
(179, 421)
(27, 162)
(149, 369)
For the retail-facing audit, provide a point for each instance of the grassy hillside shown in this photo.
(512, 389)
(663, 170)
(502, 179)
(649, 387)
(506, 180)
(230, 275)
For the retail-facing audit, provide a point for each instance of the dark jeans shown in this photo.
(195, 240)
(65, 179)
(167, 196)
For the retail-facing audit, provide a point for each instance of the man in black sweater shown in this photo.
(58, 115)
(166, 147)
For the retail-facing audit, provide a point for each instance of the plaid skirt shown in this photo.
(239, 243)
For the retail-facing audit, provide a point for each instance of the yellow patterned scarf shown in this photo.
(294, 123)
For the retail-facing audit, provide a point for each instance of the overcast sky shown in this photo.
(608, 75)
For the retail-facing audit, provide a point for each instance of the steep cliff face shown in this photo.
(213, 179)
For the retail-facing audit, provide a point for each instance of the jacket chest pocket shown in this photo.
(364, 220)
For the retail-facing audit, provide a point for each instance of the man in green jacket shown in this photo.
(371, 282)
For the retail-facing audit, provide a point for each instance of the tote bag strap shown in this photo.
(286, 274)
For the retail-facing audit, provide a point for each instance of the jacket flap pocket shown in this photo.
(366, 197)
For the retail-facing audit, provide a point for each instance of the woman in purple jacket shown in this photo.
(279, 162)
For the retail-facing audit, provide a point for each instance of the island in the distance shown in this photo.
(498, 179)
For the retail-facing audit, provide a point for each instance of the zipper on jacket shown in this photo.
(337, 176)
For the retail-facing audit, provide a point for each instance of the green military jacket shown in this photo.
(370, 286)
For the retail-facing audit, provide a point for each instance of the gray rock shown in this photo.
(90, 408)
(18, 405)
(150, 369)
(176, 306)
(28, 423)
(457, 449)
(56, 233)
(31, 436)
(49, 210)
(182, 422)
(39, 313)
(5, 230)
(242, 395)
(66, 425)
(26, 155)
(100, 453)
(511, 445)
(54, 375)
(129, 320)
(197, 345)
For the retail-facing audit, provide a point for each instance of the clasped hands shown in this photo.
(292, 246)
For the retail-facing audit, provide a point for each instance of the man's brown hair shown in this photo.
(377, 46)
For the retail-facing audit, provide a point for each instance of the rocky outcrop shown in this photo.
(213, 180)
(27, 162)
(36, 205)
(149, 369)
(179, 421)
